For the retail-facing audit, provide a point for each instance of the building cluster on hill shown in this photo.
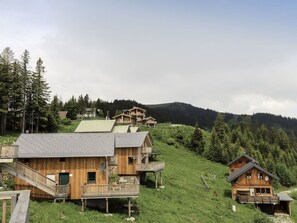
(135, 116)
(253, 184)
(98, 161)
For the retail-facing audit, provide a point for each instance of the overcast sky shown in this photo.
(230, 56)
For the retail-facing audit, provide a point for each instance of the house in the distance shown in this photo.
(253, 184)
(135, 116)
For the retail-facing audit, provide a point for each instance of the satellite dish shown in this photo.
(266, 178)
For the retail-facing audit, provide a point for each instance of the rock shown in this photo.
(131, 219)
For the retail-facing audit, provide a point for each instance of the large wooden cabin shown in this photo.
(253, 184)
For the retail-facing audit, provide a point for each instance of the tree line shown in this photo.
(273, 147)
(24, 94)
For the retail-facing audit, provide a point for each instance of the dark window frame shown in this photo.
(130, 160)
(91, 178)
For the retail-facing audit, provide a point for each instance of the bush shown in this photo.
(170, 141)
(66, 121)
(261, 218)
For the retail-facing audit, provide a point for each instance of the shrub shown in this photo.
(66, 121)
(170, 141)
(261, 218)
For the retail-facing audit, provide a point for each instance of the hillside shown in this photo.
(184, 198)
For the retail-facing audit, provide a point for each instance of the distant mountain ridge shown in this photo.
(183, 113)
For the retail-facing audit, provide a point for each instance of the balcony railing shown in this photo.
(63, 190)
(273, 199)
(9, 152)
(117, 190)
(150, 167)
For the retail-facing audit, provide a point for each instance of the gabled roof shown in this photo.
(120, 129)
(150, 117)
(130, 140)
(134, 129)
(95, 126)
(54, 145)
(135, 107)
(122, 114)
(242, 155)
(246, 168)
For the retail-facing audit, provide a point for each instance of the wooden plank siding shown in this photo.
(244, 183)
(123, 155)
(238, 164)
(76, 167)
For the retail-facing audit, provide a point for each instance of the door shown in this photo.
(63, 178)
(252, 191)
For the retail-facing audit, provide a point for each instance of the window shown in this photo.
(267, 190)
(249, 176)
(260, 176)
(91, 177)
(130, 160)
(240, 161)
(62, 159)
(258, 190)
(102, 167)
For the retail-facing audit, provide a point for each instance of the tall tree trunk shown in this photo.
(24, 120)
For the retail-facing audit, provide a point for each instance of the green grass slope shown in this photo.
(184, 198)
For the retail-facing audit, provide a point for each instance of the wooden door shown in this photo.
(63, 178)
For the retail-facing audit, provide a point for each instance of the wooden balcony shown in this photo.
(62, 191)
(150, 167)
(7, 153)
(274, 199)
(117, 190)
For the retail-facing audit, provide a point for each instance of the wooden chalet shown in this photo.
(80, 166)
(135, 116)
(253, 184)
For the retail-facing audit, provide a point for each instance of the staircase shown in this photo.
(36, 179)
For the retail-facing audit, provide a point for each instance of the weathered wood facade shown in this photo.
(75, 170)
(253, 184)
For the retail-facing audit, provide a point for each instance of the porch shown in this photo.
(150, 167)
(243, 199)
(123, 189)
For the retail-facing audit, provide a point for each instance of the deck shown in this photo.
(274, 199)
(150, 167)
(126, 187)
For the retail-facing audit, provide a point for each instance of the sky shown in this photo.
(227, 55)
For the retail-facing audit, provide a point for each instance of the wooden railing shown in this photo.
(9, 152)
(273, 199)
(150, 167)
(110, 190)
(31, 176)
(62, 190)
(19, 209)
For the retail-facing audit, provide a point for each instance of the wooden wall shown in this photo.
(254, 182)
(238, 164)
(76, 167)
(122, 155)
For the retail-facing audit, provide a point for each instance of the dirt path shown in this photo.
(281, 218)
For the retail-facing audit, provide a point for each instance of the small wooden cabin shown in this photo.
(253, 184)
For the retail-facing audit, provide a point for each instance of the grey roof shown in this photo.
(125, 140)
(95, 126)
(65, 145)
(247, 167)
(284, 197)
(242, 155)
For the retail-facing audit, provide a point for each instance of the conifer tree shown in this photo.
(40, 96)
(197, 143)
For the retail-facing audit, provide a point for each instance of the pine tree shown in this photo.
(197, 142)
(55, 107)
(25, 85)
(71, 107)
(40, 96)
(6, 60)
(214, 152)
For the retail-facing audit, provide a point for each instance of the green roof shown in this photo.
(95, 126)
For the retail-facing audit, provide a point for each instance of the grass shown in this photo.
(184, 198)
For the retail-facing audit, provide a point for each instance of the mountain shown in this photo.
(182, 113)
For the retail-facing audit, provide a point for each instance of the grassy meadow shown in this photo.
(184, 198)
